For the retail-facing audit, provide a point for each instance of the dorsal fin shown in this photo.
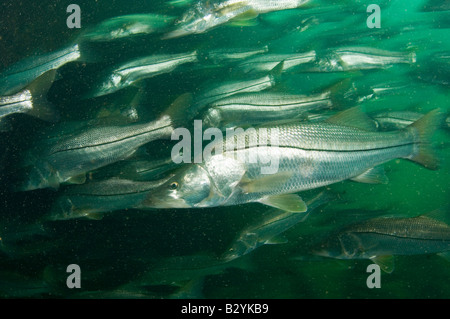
(441, 214)
(353, 117)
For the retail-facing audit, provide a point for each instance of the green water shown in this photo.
(122, 254)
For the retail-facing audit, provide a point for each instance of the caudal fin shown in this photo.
(179, 111)
(425, 127)
(42, 108)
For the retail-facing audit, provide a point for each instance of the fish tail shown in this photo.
(179, 111)
(425, 127)
(87, 52)
(42, 108)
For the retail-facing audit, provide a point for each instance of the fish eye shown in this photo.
(173, 185)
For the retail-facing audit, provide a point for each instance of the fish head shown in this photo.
(198, 19)
(113, 83)
(189, 187)
(41, 175)
(207, 184)
(342, 246)
(242, 246)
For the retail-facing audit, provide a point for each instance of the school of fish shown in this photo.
(288, 110)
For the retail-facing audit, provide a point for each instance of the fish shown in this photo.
(91, 200)
(224, 56)
(270, 163)
(270, 229)
(256, 108)
(379, 239)
(181, 270)
(67, 159)
(19, 75)
(179, 3)
(400, 119)
(32, 100)
(16, 284)
(23, 240)
(138, 168)
(361, 58)
(267, 62)
(436, 69)
(205, 15)
(12, 234)
(139, 69)
(126, 26)
(214, 92)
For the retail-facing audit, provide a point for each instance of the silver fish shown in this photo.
(346, 59)
(73, 156)
(271, 163)
(126, 26)
(21, 74)
(216, 92)
(395, 120)
(267, 62)
(256, 108)
(268, 230)
(67, 159)
(136, 169)
(221, 56)
(92, 199)
(31, 100)
(264, 6)
(379, 239)
(179, 270)
(142, 68)
(205, 15)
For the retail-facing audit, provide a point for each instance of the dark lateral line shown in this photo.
(322, 150)
(398, 236)
(267, 105)
(125, 138)
(109, 195)
(237, 90)
(155, 63)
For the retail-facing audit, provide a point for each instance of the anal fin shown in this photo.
(386, 263)
(374, 175)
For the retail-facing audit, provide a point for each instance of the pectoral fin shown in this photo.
(265, 183)
(386, 263)
(246, 19)
(287, 202)
(78, 179)
(276, 240)
(373, 175)
(94, 216)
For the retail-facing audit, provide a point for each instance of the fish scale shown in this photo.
(262, 164)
